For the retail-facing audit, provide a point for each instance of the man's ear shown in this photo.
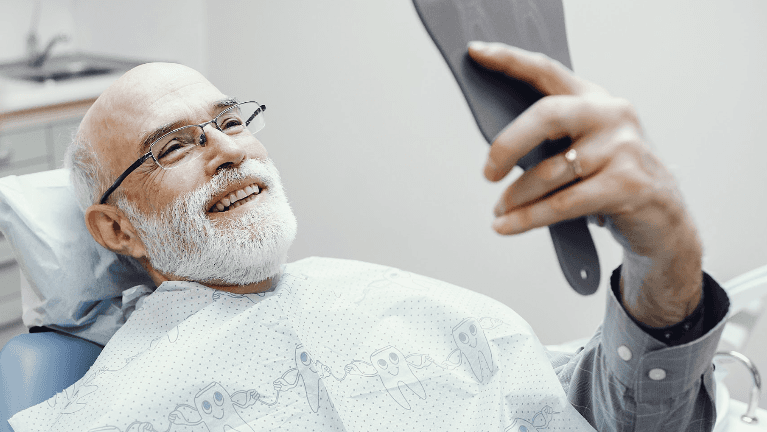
(111, 229)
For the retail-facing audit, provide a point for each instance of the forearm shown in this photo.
(662, 290)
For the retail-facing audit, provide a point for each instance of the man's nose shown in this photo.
(223, 151)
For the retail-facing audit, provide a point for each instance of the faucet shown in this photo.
(38, 58)
(753, 402)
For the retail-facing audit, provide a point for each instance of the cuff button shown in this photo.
(657, 374)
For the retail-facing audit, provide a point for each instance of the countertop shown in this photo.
(17, 95)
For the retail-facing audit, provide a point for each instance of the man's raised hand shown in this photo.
(621, 181)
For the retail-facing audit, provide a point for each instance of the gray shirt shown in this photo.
(624, 379)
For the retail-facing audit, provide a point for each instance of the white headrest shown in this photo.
(75, 285)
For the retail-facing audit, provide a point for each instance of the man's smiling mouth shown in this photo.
(236, 199)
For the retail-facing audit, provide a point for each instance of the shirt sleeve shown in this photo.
(627, 378)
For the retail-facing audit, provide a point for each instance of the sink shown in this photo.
(66, 67)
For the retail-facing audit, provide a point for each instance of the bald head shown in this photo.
(117, 118)
(110, 136)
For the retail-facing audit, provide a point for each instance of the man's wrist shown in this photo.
(663, 290)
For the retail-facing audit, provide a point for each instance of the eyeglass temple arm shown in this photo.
(120, 179)
(261, 108)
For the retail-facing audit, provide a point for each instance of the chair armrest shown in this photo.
(36, 366)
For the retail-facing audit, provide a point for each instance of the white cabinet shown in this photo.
(35, 148)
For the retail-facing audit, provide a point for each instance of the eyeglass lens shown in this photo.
(185, 144)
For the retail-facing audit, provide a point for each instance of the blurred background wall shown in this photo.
(140, 29)
(382, 160)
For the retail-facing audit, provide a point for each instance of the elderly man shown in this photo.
(170, 173)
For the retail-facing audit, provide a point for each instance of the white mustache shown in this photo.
(263, 172)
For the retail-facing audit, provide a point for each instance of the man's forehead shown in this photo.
(145, 98)
(155, 89)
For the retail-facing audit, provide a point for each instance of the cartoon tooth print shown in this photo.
(473, 344)
(136, 426)
(521, 425)
(489, 323)
(171, 337)
(395, 373)
(540, 421)
(542, 418)
(310, 372)
(401, 279)
(215, 408)
(140, 427)
(73, 398)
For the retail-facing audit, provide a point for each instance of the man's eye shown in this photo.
(175, 150)
(231, 124)
(169, 149)
(233, 127)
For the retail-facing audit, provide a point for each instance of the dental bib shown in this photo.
(335, 345)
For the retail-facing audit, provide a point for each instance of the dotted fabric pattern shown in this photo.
(336, 345)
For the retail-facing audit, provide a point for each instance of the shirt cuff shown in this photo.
(713, 299)
(653, 369)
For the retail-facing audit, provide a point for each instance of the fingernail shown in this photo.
(477, 45)
(489, 170)
(497, 224)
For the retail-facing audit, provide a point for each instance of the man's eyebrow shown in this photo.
(226, 103)
(158, 133)
(164, 129)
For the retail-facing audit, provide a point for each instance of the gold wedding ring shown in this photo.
(572, 157)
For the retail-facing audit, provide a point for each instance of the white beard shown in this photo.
(181, 241)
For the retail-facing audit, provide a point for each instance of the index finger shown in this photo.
(547, 75)
(550, 118)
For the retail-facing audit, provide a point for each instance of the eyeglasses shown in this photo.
(183, 145)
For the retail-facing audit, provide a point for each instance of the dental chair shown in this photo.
(76, 295)
(36, 366)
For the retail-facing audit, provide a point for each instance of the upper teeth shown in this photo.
(234, 197)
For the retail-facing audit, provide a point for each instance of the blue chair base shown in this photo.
(36, 366)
